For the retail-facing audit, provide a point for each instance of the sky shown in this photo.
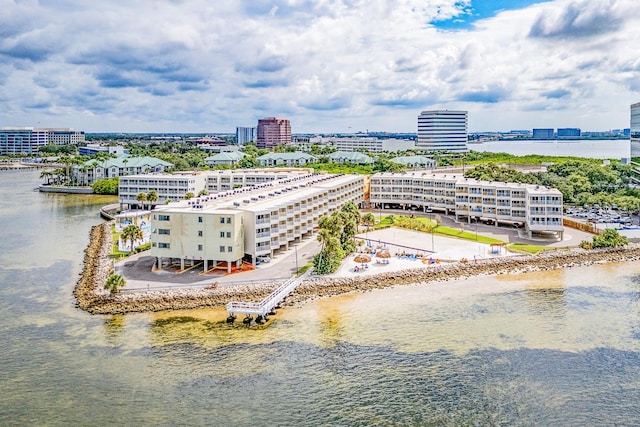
(339, 66)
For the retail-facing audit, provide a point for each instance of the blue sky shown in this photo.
(327, 65)
(478, 10)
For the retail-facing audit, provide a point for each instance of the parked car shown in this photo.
(263, 259)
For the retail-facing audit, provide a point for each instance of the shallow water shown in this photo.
(544, 348)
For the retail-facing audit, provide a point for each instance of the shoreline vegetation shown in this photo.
(98, 266)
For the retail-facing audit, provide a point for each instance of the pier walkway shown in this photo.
(266, 305)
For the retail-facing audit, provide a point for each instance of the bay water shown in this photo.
(546, 348)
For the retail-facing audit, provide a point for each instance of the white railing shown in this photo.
(266, 305)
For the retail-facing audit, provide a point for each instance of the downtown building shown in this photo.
(245, 135)
(223, 229)
(442, 130)
(537, 208)
(28, 140)
(273, 131)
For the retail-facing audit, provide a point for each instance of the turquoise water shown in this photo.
(548, 348)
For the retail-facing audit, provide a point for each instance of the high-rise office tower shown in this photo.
(442, 130)
(273, 131)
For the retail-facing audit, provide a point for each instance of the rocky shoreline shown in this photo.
(98, 266)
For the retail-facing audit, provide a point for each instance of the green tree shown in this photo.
(152, 197)
(141, 197)
(131, 233)
(106, 186)
(203, 192)
(610, 238)
(368, 220)
(114, 283)
(189, 196)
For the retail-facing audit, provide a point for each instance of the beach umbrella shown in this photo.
(384, 253)
(362, 258)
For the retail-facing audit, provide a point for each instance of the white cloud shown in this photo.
(331, 65)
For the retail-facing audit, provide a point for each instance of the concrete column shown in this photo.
(181, 263)
(228, 267)
(206, 265)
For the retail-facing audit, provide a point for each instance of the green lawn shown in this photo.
(425, 225)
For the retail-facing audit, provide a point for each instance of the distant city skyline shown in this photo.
(329, 67)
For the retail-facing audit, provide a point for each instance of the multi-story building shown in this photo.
(93, 170)
(93, 149)
(569, 132)
(174, 187)
(368, 144)
(222, 229)
(224, 180)
(442, 130)
(245, 134)
(273, 131)
(65, 136)
(634, 131)
(28, 140)
(537, 208)
(543, 133)
(286, 159)
(168, 187)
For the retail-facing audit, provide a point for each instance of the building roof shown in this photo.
(263, 197)
(351, 156)
(227, 156)
(129, 162)
(412, 160)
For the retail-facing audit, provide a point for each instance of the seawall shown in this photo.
(98, 266)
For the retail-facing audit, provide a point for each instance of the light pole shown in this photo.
(295, 248)
(430, 211)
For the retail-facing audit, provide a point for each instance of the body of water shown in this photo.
(589, 148)
(547, 348)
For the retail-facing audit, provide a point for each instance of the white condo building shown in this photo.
(369, 144)
(537, 208)
(174, 187)
(442, 130)
(223, 229)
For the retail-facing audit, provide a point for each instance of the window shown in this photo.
(228, 220)
(228, 234)
(199, 233)
(163, 217)
(229, 248)
(163, 245)
(222, 234)
(221, 220)
(164, 231)
(221, 248)
(199, 247)
(199, 219)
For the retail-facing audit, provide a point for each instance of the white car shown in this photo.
(263, 259)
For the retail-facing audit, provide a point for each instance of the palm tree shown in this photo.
(152, 197)
(46, 174)
(114, 283)
(131, 233)
(368, 219)
(142, 197)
